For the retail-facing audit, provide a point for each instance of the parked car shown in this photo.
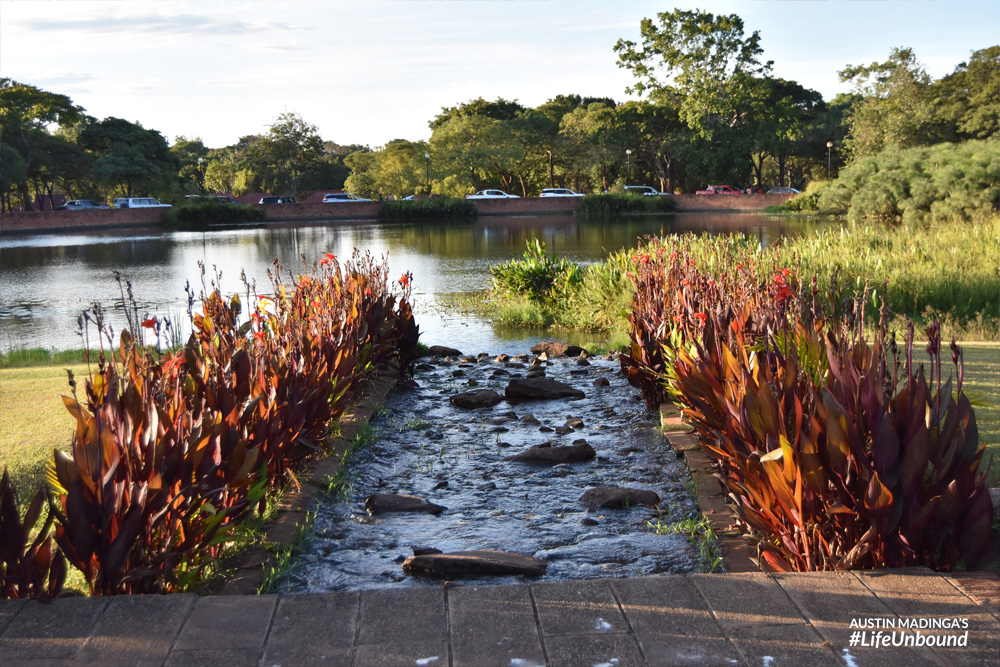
(138, 202)
(334, 197)
(80, 205)
(644, 190)
(560, 192)
(277, 200)
(720, 190)
(782, 191)
(491, 194)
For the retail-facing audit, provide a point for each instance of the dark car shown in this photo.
(277, 200)
(80, 205)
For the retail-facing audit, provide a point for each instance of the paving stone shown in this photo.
(761, 621)
(228, 622)
(313, 629)
(672, 622)
(831, 600)
(8, 610)
(610, 650)
(920, 593)
(135, 630)
(423, 654)
(577, 608)
(398, 616)
(983, 587)
(229, 657)
(49, 630)
(493, 625)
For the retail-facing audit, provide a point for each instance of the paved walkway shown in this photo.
(708, 619)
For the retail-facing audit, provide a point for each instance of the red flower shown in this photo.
(710, 282)
(684, 282)
(691, 262)
(678, 318)
(673, 255)
(701, 316)
(645, 260)
(150, 323)
(404, 280)
(368, 291)
(259, 335)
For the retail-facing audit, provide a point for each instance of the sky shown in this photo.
(369, 71)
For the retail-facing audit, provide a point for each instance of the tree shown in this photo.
(128, 156)
(967, 101)
(27, 117)
(501, 109)
(701, 59)
(289, 154)
(188, 152)
(896, 110)
(476, 150)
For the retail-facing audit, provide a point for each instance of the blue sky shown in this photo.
(368, 71)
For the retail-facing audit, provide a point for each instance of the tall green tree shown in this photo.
(192, 156)
(288, 155)
(896, 109)
(967, 101)
(28, 115)
(500, 109)
(128, 158)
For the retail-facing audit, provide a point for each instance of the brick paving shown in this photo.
(705, 619)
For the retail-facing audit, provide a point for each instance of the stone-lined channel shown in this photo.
(425, 446)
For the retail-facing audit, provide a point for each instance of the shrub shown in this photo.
(836, 455)
(432, 207)
(171, 452)
(200, 214)
(30, 566)
(622, 204)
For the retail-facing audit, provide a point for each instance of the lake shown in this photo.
(47, 280)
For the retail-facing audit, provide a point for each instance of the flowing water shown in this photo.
(46, 280)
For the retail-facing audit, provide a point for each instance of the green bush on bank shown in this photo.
(946, 182)
(199, 214)
(432, 207)
(614, 204)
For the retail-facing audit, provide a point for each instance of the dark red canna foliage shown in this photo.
(30, 567)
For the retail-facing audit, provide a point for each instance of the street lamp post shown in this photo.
(628, 164)
(201, 172)
(427, 173)
(552, 182)
(829, 147)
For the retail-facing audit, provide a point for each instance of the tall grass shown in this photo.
(200, 214)
(614, 204)
(432, 207)
(944, 271)
(39, 356)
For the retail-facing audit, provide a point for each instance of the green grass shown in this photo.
(982, 384)
(432, 207)
(37, 356)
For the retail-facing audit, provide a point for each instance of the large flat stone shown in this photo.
(402, 616)
(383, 503)
(208, 657)
(556, 348)
(831, 600)
(422, 654)
(135, 630)
(540, 388)
(577, 607)
(313, 629)
(493, 625)
(228, 622)
(762, 621)
(482, 562)
(672, 622)
(8, 610)
(613, 650)
(617, 497)
(540, 455)
(54, 630)
(477, 398)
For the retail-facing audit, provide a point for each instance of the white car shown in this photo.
(644, 190)
(560, 192)
(335, 197)
(491, 194)
(138, 202)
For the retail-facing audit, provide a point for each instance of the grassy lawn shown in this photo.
(33, 421)
(982, 382)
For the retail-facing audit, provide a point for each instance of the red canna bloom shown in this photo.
(404, 280)
(701, 316)
(150, 323)
(645, 260)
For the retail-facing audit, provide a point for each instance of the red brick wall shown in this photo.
(101, 218)
(42, 221)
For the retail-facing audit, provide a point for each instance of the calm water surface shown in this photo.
(47, 280)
